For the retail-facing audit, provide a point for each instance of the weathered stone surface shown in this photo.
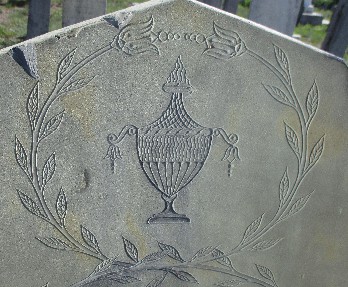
(114, 119)
(39, 18)
(75, 11)
(280, 15)
(336, 40)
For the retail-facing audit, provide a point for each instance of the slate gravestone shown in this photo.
(309, 16)
(230, 6)
(280, 15)
(38, 18)
(336, 40)
(152, 148)
(75, 11)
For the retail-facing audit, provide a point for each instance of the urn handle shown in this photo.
(232, 152)
(113, 152)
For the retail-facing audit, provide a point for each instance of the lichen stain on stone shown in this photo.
(134, 229)
(335, 138)
(330, 247)
(80, 106)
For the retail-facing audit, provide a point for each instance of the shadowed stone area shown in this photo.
(171, 144)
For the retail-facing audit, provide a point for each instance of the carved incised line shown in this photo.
(154, 144)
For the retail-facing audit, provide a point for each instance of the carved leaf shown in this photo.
(104, 265)
(282, 60)
(265, 272)
(183, 276)
(312, 101)
(266, 244)
(252, 228)
(131, 250)
(223, 260)
(297, 206)
(29, 204)
(154, 257)
(284, 187)
(52, 125)
(49, 169)
(121, 279)
(316, 152)
(61, 206)
(54, 243)
(170, 251)
(230, 283)
(292, 139)
(76, 85)
(202, 252)
(65, 64)
(21, 155)
(279, 95)
(89, 238)
(156, 282)
(33, 105)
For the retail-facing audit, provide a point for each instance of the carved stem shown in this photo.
(301, 171)
(38, 189)
(234, 273)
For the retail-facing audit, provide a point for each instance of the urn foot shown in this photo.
(168, 215)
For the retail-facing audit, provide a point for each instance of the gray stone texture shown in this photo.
(336, 40)
(75, 11)
(149, 147)
(280, 15)
(38, 18)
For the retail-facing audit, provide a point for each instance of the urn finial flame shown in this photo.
(177, 82)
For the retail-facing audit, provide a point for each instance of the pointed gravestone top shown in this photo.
(172, 144)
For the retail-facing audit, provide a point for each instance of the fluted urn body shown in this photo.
(173, 149)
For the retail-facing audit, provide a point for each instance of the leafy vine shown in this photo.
(222, 44)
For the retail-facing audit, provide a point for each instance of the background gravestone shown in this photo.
(280, 15)
(230, 6)
(39, 18)
(151, 149)
(309, 16)
(226, 5)
(75, 11)
(336, 40)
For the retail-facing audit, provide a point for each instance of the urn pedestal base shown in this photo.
(168, 215)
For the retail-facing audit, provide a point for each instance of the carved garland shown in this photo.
(135, 39)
